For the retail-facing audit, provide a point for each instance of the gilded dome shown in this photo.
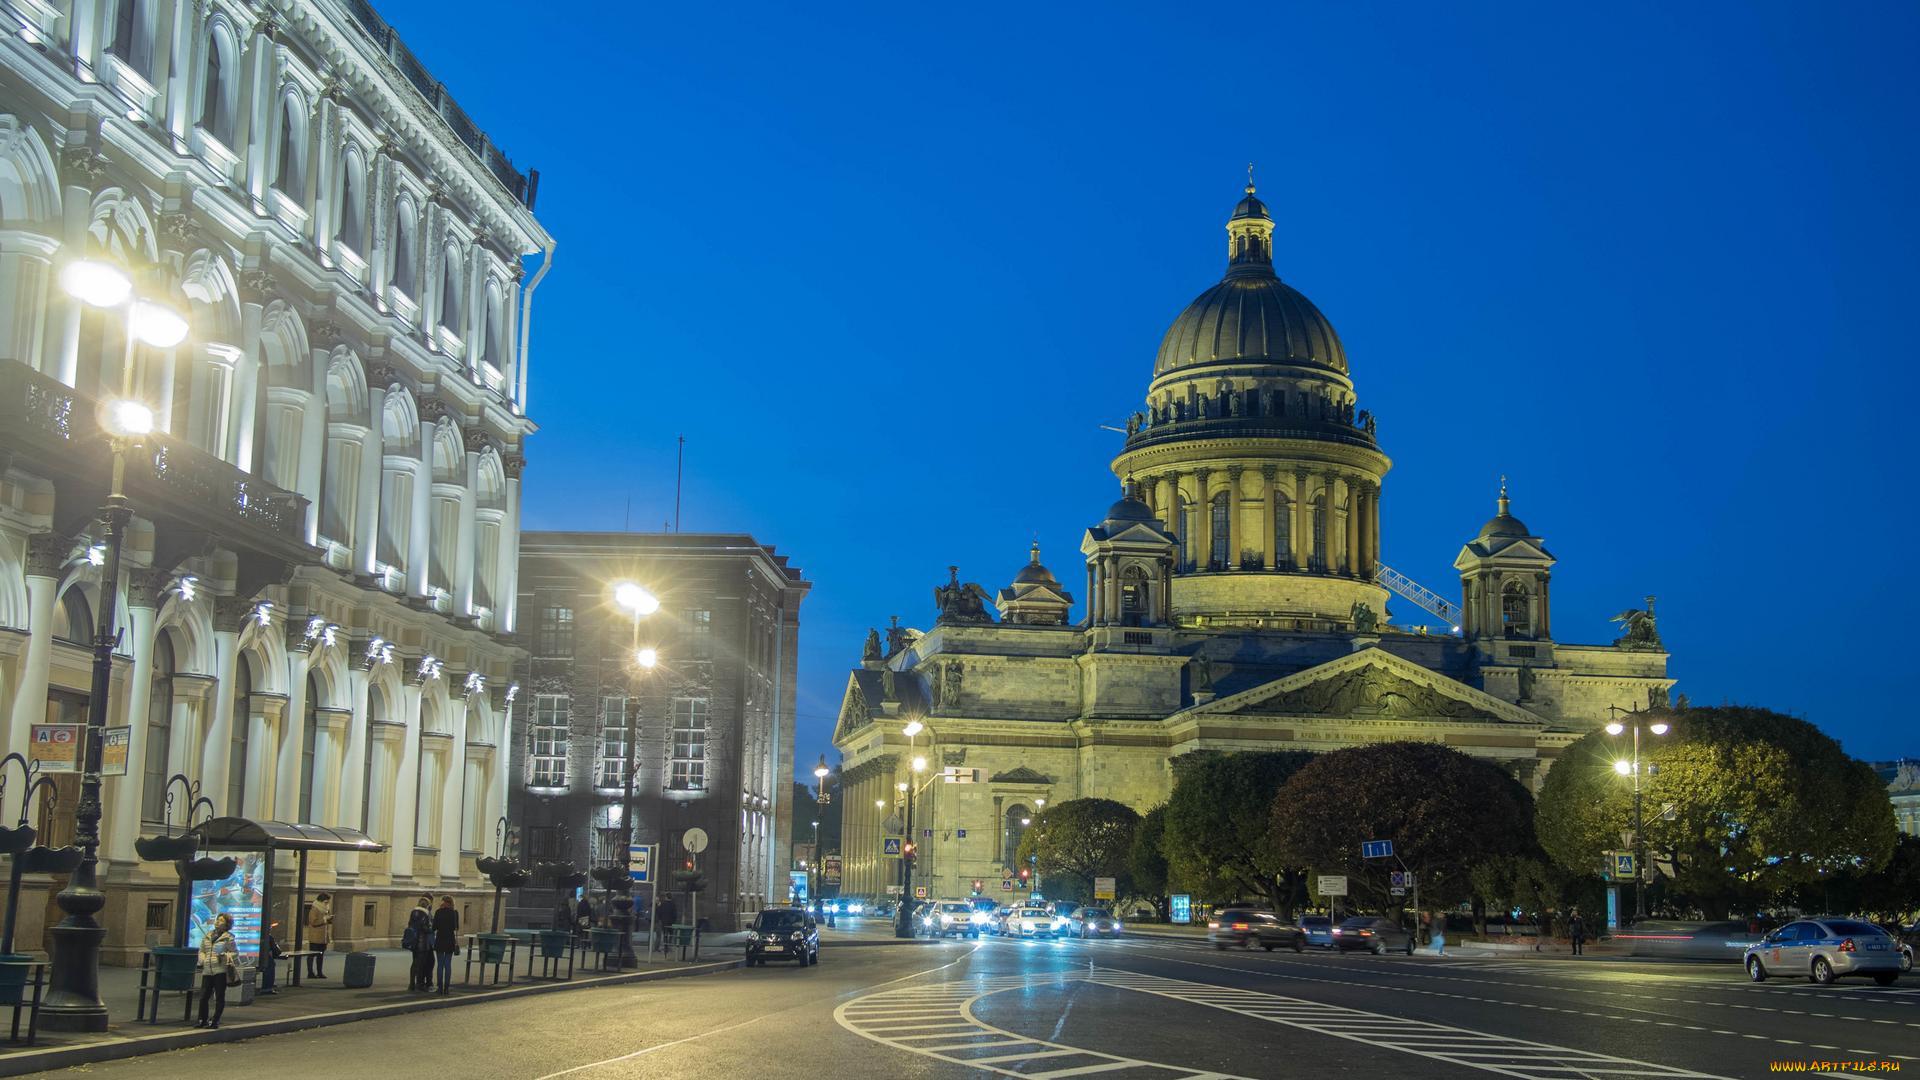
(1035, 574)
(1250, 316)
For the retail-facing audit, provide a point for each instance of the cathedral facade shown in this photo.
(1234, 600)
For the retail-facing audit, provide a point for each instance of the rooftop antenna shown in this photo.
(679, 470)
(628, 525)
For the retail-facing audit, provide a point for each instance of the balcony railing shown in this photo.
(50, 427)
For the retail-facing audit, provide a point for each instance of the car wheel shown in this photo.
(1906, 959)
(1267, 945)
(1219, 947)
(1885, 978)
(1379, 948)
(1822, 971)
(1756, 970)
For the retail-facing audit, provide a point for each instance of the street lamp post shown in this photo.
(1631, 767)
(73, 997)
(820, 774)
(639, 603)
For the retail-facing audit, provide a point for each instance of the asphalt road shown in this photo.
(1136, 1008)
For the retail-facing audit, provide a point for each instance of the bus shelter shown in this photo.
(270, 839)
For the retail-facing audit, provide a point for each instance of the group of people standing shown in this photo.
(433, 937)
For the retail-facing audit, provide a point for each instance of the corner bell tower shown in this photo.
(1504, 578)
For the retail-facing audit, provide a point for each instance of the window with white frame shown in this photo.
(687, 766)
(547, 761)
(613, 741)
(290, 156)
(699, 635)
(351, 230)
(133, 35)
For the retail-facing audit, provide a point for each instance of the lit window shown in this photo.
(687, 769)
(613, 742)
(547, 763)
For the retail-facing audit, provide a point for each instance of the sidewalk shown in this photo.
(322, 1003)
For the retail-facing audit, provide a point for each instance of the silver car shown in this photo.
(1825, 949)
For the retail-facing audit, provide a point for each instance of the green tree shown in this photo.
(1445, 812)
(1146, 862)
(1742, 804)
(1217, 840)
(1076, 841)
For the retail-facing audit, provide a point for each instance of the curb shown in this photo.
(34, 1061)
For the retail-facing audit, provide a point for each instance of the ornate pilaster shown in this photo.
(47, 554)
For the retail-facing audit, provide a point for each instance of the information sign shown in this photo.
(1103, 888)
(1331, 885)
(829, 869)
(1377, 849)
(640, 863)
(55, 748)
(113, 751)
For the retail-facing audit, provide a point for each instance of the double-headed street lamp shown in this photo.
(820, 774)
(1632, 767)
(909, 854)
(73, 998)
(639, 603)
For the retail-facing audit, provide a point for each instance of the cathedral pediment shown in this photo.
(1372, 683)
(1020, 775)
(855, 713)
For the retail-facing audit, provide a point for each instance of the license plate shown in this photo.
(774, 948)
(1876, 948)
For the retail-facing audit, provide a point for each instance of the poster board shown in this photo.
(239, 895)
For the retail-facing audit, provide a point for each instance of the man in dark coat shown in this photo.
(665, 914)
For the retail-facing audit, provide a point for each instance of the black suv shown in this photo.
(783, 933)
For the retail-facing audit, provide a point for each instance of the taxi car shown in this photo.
(1824, 950)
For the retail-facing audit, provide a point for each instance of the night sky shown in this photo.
(889, 269)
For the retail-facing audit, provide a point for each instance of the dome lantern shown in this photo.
(1250, 237)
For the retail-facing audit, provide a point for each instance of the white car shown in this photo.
(1035, 921)
(951, 918)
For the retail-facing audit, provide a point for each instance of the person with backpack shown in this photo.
(418, 940)
(219, 968)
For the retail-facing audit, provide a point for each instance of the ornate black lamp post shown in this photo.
(17, 842)
(503, 872)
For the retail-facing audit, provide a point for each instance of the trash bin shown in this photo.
(249, 984)
(173, 967)
(493, 947)
(358, 974)
(13, 977)
(554, 943)
(604, 941)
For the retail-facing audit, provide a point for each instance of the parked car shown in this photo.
(1246, 927)
(1088, 922)
(1377, 935)
(1032, 920)
(1319, 930)
(783, 933)
(1824, 950)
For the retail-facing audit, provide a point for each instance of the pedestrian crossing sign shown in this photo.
(1623, 864)
(890, 846)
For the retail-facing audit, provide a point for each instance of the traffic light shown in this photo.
(908, 850)
(1023, 873)
(977, 883)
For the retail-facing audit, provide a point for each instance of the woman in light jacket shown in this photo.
(319, 932)
(219, 959)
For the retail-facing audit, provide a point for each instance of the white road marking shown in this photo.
(953, 1033)
(1459, 1046)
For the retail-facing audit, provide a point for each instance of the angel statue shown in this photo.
(1642, 629)
(962, 603)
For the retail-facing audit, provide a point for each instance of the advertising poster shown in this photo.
(113, 751)
(238, 895)
(55, 748)
(1181, 908)
(797, 886)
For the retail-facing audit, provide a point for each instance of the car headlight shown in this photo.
(753, 935)
(1116, 924)
(797, 936)
(1026, 924)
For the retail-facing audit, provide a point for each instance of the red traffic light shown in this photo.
(1023, 873)
(908, 849)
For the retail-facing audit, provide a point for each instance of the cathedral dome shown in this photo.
(1035, 574)
(1130, 509)
(1251, 315)
(1504, 524)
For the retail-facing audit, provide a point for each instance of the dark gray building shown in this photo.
(712, 720)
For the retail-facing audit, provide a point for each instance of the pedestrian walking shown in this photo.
(1439, 937)
(219, 968)
(418, 940)
(664, 915)
(1577, 932)
(446, 941)
(319, 934)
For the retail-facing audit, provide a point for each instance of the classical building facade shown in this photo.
(319, 582)
(1903, 790)
(1234, 598)
(709, 728)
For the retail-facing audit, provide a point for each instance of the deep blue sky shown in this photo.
(887, 268)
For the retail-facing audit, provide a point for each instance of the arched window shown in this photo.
(1013, 827)
(73, 622)
(1186, 521)
(216, 98)
(153, 790)
(309, 739)
(1222, 510)
(490, 332)
(1516, 610)
(1282, 532)
(376, 714)
(352, 230)
(1317, 540)
(405, 259)
(290, 167)
(1135, 603)
(237, 742)
(133, 35)
(450, 291)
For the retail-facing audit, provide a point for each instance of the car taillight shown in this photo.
(1847, 945)
(1366, 933)
(1239, 926)
(1213, 926)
